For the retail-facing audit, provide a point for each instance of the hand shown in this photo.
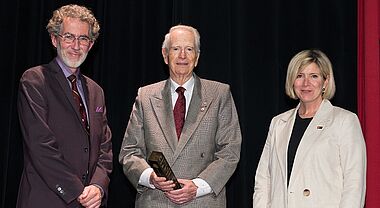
(161, 182)
(187, 193)
(91, 197)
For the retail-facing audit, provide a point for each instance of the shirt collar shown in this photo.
(187, 85)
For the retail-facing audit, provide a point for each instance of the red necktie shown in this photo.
(78, 101)
(179, 110)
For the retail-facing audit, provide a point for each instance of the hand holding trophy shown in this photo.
(162, 168)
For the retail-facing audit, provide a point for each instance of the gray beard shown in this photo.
(71, 64)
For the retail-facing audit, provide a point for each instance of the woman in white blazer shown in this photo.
(315, 154)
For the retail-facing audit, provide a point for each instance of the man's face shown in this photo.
(72, 52)
(182, 56)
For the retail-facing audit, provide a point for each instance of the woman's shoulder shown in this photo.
(337, 113)
(340, 112)
(285, 115)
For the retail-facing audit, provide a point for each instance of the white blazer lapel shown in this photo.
(282, 138)
(311, 135)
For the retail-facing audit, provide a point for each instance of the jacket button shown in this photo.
(306, 192)
(84, 177)
(202, 155)
(85, 149)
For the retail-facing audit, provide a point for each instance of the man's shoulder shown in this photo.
(36, 70)
(153, 88)
(209, 81)
(37, 73)
(156, 84)
(214, 86)
(41, 69)
(91, 84)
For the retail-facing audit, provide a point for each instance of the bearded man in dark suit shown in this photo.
(67, 142)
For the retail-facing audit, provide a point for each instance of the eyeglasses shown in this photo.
(176, 50)
(70, 38)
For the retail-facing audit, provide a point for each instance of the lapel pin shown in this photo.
(204, 105)
(319, 127)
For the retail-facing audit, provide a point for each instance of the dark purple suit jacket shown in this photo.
(60, 159)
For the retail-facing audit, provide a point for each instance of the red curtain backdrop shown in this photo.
(369, 92)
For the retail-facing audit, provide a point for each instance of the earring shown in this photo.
(323, 91)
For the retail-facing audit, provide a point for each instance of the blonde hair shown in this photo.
(302, 60)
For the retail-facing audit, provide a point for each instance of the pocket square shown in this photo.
(99, 109)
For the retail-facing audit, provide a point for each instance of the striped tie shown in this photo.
(78, 101)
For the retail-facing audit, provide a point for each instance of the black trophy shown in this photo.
(162, 168)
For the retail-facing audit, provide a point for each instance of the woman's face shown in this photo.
(309, 83)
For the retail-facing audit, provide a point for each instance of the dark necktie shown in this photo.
(79, 102)
(179, 110)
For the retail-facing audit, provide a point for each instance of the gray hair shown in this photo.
(73, 11)
(197, 37)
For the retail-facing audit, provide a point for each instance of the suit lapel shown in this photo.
(199, 104)
(162, 107)
(63, 83)
(282, 141)
(62, 80)
(311, 135)
(85, 89)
